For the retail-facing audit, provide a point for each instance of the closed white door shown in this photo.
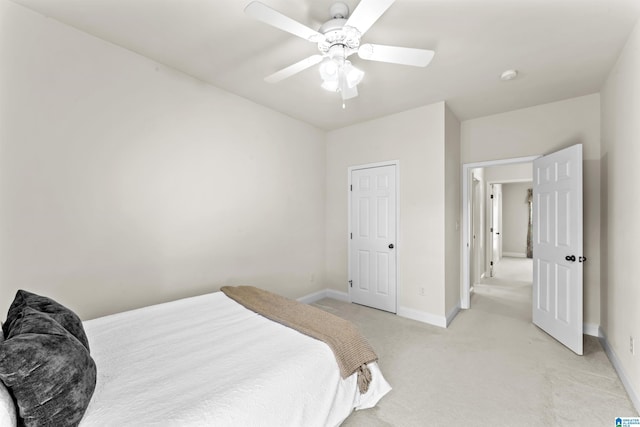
(557, 246)
(372, 239)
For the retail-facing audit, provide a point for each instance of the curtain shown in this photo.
(530, 227)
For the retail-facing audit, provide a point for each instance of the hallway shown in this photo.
(510, 288)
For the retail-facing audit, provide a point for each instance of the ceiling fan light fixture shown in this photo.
(352, 75)
(338, 73)
(330, 85)
(347, 93)
(329, 69)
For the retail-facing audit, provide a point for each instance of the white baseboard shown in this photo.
(591, 329)
(633, 394)
(452, 314)
(514, 254)
(422, 316)
(311, 298)
(340, 296)
(325, 293)
(409, 313)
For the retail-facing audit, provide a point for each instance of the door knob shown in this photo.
(391, 246)
(571, 258)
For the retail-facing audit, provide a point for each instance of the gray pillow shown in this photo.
(65, 317)
(48, 371)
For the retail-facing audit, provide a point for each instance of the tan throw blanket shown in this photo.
(351, 350)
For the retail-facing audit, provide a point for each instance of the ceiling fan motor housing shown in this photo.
(339, 10)
(337, 34)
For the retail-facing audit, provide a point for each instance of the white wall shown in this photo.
(417, 139)
(452, 214)
(509, 173)
(124, 183)
(544, 129)
(619, 160)
(515, 214)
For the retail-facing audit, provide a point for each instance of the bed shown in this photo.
(208, 360)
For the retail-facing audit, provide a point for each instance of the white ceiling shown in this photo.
(562, 48)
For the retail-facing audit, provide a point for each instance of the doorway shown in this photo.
(557, 242)
(510, 216)
(472, 260)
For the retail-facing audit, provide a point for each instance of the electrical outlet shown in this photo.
(631, 349)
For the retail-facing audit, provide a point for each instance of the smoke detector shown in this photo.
(509, 75)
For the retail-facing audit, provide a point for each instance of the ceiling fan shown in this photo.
(337, 39)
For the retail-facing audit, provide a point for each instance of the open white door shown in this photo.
(372, 237)
(557, 246)
(476, 260)
(496, 227)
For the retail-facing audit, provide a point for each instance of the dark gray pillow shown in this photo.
(49, 372)
(65, 317)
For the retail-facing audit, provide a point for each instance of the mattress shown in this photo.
(209, 361)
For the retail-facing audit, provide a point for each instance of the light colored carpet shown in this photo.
(491, 367)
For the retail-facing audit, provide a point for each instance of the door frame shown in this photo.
(465, 236)
(398, 246)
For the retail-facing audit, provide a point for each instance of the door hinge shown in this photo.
(351, 283)
(351, 188)
(491, 263)
(351, 236)
(492, 196)
(492, 229)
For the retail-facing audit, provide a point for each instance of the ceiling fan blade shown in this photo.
(264, 13)
(367, 13)
(396, 54)
(293, 69)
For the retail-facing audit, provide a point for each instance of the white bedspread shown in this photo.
(208, 361)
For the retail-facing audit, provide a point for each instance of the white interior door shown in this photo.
(372, 248)
(476, 232)
(557, 246)
(496, 226)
